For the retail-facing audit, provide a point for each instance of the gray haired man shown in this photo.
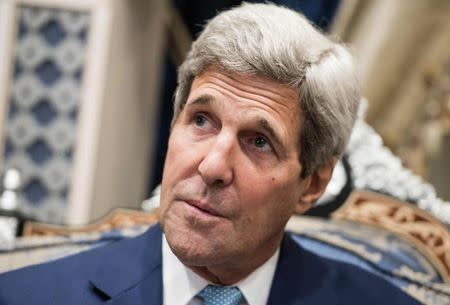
(264, 107)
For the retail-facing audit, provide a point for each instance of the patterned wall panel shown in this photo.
(43, 111)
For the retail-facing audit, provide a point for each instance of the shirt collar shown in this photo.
(256, 286)
(181, 284)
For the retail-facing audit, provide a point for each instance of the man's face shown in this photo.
(232, 173)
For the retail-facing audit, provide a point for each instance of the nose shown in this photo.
(216, 167)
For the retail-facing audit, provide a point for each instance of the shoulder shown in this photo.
(68, 277)
(335, 281)
(354, 285)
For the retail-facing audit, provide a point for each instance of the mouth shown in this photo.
(203, 207)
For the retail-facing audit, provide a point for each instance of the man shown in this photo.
(264, 107)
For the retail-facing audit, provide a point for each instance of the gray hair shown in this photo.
(278, 43)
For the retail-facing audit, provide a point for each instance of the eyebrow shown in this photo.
(262, 123)
(204, 99)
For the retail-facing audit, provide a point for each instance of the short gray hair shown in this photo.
(278, 43)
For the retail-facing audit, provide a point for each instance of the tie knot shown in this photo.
(216, 295)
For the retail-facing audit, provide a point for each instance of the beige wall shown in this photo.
(398, 44)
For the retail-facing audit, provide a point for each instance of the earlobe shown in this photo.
(315, 187)
(302, 207)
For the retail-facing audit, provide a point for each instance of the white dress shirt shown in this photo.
(181, 284)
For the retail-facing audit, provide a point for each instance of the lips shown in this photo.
(204, 207)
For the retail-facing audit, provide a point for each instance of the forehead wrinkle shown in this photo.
(256, 80)
(259, 85)
(263, 95)
(250, 99)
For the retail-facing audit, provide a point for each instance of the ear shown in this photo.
(315, 185)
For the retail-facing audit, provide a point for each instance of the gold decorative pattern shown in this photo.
(441, 287)
(425, 232)
(426, 296)
(118, 219)
(411, 274)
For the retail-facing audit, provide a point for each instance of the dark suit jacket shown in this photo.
(129, 272)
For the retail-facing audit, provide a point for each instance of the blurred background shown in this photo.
(86, 92)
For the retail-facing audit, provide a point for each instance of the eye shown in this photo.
(201, 121)
(261, 144)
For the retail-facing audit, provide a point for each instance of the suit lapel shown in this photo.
(131, 272)
(301, 278)
(148, 291)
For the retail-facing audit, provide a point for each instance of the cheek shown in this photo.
(264, 184)
(268, 196)
(259, 190)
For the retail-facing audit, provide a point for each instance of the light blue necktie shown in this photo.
(216, 295)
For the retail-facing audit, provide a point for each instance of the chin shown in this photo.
(193, 249)
(190, 253)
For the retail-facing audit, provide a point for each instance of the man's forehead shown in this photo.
(247, 86)
(250, 89)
